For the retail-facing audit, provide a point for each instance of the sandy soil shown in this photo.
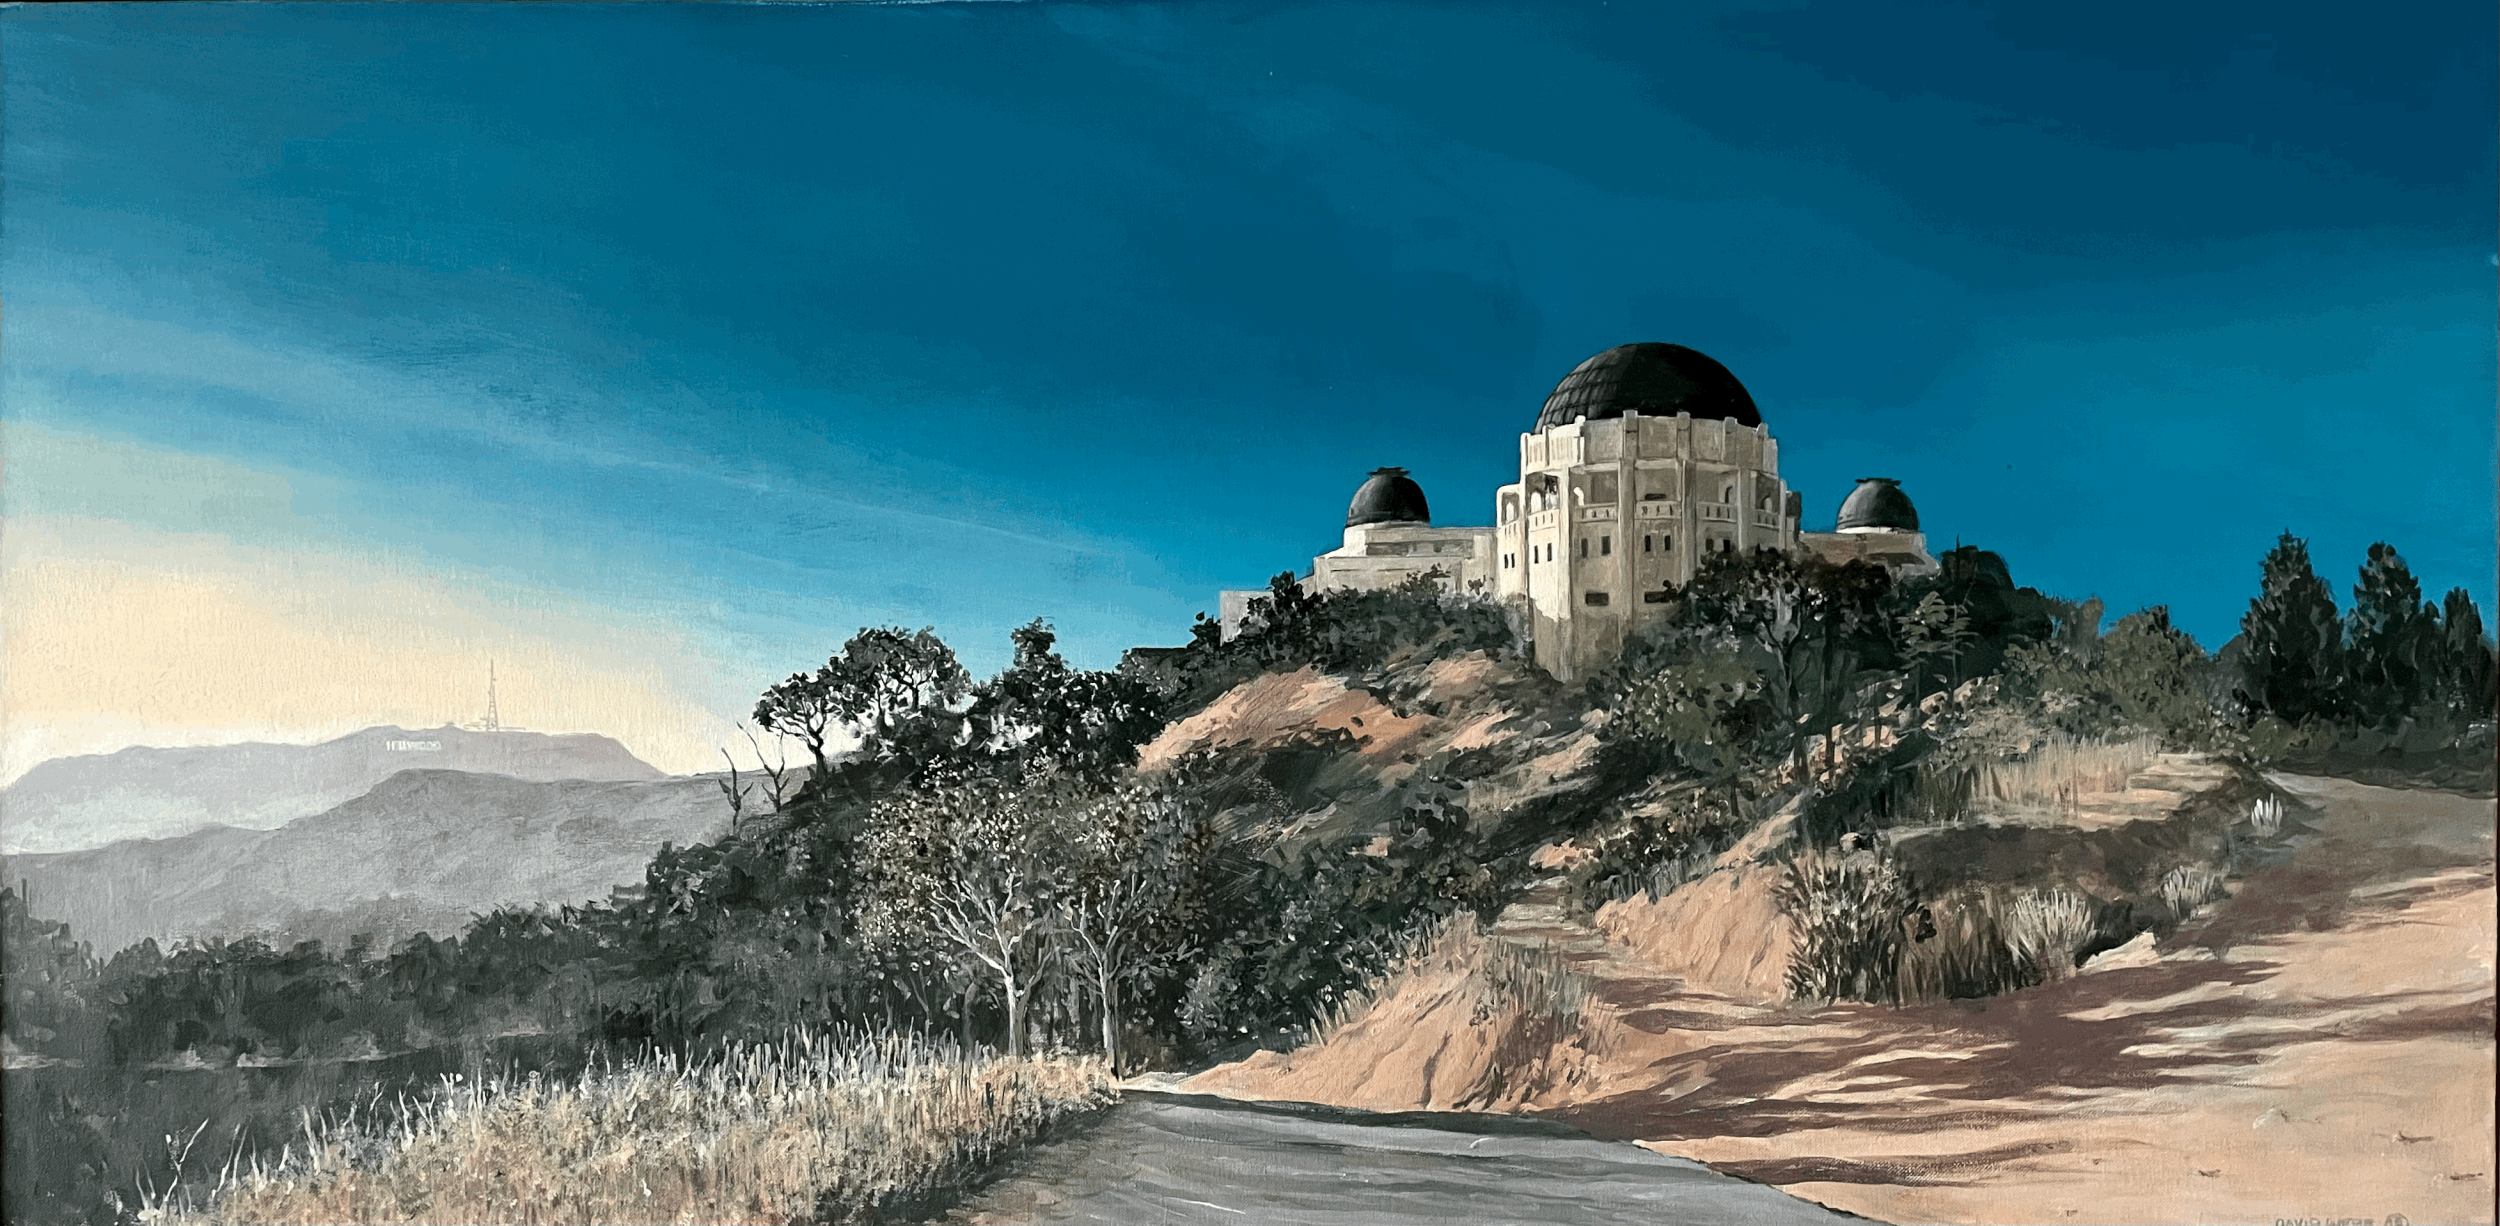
(2317, 1048)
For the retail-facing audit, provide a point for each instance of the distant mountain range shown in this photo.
(422, 851)
(68, 804)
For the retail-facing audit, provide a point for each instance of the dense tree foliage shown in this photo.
(2143, 674)
(1338, 631)
(2292, 659)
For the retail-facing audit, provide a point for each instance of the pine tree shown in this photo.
(2466, 666)
(2393, 643)
(2293, 641)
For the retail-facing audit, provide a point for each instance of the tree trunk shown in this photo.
(1015, 1015)
(1110, 1019)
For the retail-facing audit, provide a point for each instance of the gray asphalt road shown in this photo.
(1175, 1158)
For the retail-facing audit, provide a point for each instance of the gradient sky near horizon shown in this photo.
(650, 350)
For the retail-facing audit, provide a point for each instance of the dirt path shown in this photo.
(2318, 1047)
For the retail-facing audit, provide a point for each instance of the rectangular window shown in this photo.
(1646, 542)
(1606, 545)
(1593, 598)
(1584, 546)
(1653, 598)
(1666, 542)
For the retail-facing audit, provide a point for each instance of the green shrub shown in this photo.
(1958, 950)
(1656, 849)
(1853, 914)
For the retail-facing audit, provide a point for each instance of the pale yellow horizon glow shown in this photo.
(113, 635)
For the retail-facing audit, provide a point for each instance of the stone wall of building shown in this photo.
(1378, 556)
(1609, 512)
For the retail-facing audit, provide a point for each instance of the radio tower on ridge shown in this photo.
(494, 718)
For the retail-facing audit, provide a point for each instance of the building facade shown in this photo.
(1644, 459)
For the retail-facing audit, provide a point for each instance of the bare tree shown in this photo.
(776, 770)
(734, 792)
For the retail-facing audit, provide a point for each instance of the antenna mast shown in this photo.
(493, 723)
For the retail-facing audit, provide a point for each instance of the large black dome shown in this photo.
(1653, 379)
(1877, 505)
(1390, 497)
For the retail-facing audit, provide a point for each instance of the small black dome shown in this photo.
(1652, 379)
(1390, 497)
(1877, 503)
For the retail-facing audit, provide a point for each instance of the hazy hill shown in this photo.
(147, 793)
(422, 851)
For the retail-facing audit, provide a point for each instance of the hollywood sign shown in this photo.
(412, 746)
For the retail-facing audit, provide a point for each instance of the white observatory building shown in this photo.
(1643, 459)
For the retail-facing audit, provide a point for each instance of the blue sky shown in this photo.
(738, 327)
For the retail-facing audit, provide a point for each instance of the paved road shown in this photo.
(1180, 1158)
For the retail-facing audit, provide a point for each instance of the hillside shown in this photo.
(1322, 756)
(68, 804)
(422, 851)
(2322, 1026)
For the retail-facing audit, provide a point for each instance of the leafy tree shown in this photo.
(1977, 583)
(886, 676)
(888, 684)
(2466, 672)
(2145, 674)
(1813, 630)
(1756, 653)
(2392, 640)
(1042, 713)
(972, 864)
(1707, 710)
(1341, 631)
(2078, 628)
(1126, 900)
(2292, 642)
(1934, 634)
(803, 707)
(49, 980)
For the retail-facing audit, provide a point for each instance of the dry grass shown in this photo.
(1965, 955)
(1532, 981)
(2058, 773)
(1443, 947)
(2044, 928)
(1865, 933)
(805, 1130)
(1851, 913)
(2190, 886)
(1503, 981)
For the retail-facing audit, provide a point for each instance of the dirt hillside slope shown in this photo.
(2317, 1046)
